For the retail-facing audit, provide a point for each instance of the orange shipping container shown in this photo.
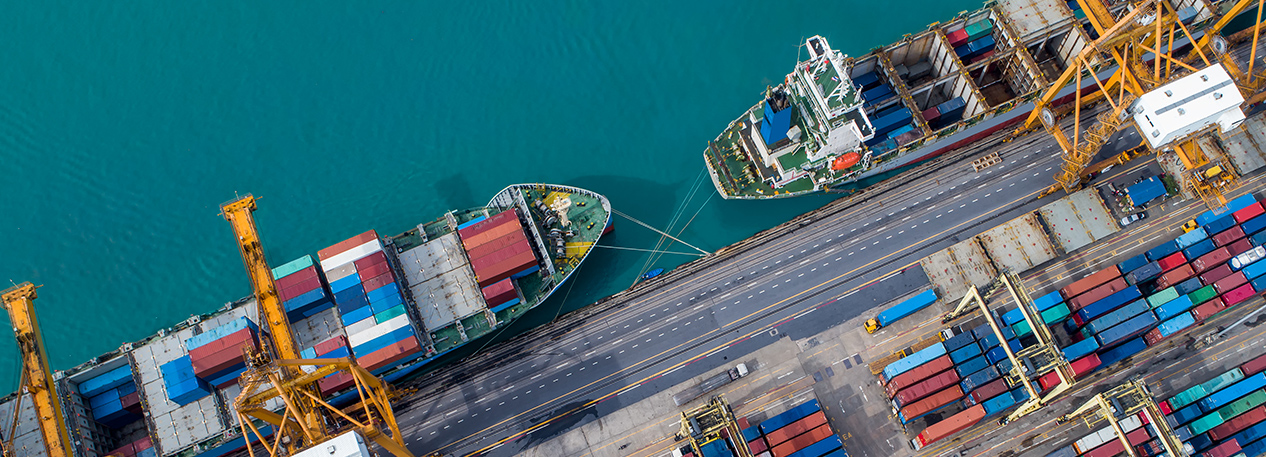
(1090, 282)
(800, 442)
(790, 431)
(349, 243)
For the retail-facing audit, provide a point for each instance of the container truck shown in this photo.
(710, 384)
(1232, 206)
(901, 310)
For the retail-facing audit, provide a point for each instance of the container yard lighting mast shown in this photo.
(37, 377)
(1040, 357)
(1121, 402)
(308, 420)
(1149, 30)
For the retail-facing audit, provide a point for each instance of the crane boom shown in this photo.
(36, 374)
(271, 310)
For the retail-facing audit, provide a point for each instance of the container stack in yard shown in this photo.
(1223, 415)
(1109, 315)
(379, 329)
(801, 431)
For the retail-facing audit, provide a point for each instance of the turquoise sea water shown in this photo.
(123, 126)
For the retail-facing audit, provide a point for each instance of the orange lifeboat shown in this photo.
(845, 161)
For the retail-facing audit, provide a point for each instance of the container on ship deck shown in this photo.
(376, 258)
(234, 341)
(390, 354)
(958, 38)
(347, 244)
(297, 277)
(378, 282)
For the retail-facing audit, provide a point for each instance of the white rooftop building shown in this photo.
(1188, 105)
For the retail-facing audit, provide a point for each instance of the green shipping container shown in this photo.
(1205, 423)
(1055, 314)
(979, 29)
(1163, 297)
(389, 314)
(1202, 294)
(292, 267)
(1242, 405)
(1021, 328)
(1197, 392)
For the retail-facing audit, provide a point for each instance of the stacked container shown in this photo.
(802, 430)
(218, 355)
(183, 386)
(368, 296)
(143, 447)
(112, 398)
(498, 250)
(333, 348)
(300, 289)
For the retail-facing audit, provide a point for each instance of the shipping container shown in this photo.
(1175, 276)
(998, 404)
(1204, 423)
(1243, 405)
(1228, 236)
(1254, 225)
(1237, 295)
(794, 429)
(1212, 259)
(1105, 290)
(1048, 381)
(1218, 225)
(1232, 392)
(913, 360)
(1228, 283)
(1185, 416)
(750, 432)
(1213, 275)
(1106, 434)
(1172, 327)
(794, 414)
(1133, 263)
(1208, 309)
(1170, 262)
(1080, 349)
(1174, 308)
(918, 374)
(1226, 449)
(1114, 446)
(965, 353)
(823, 448)
(931, 403)
(1247, 213)
(959, 341)
(1201, 248)
(1159, 252)
(1083, 366)
(802, 441)
(1122, 352)
(1047, 301)
(987, 391)
(1090, 282)
(1149, 271)
(1199, 391)
(924, 389)
(971, 366)
(1188, 286)
(979, 378)
(1185, 240)
(757, 445)
(1162, 297)
(1255, 366)
(1132, 327)
(1055, 314)
(1251, 434)
(1107, 320)
(948, 426)
(1236, 424)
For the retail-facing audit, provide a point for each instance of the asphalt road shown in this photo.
(820, 275)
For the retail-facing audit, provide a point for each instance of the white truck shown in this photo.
(710, 384)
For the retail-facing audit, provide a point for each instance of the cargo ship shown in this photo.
(837, 119)
(395, 304)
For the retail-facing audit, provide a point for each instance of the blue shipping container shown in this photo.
(751, 433)
(996, 355)
(228, 328)
(998, 403)
(1048, 301)
(1177, 324)
(1175, 307)
(1232, 392)
(791, 415)
(345, 283)
(106, 381)
(1218, 225)
(1121, 352)
(919, 358)
(1187, 239)
(1251, 434)
(1232, 206)
(1133, 263)
(1254, 270)
(357, 315)
(1118, 316)
(1190, 285)
(959, 341)
(965, 353)
(1159, 252)
(1185, 415)
(819, 448)
(1130, 328)
(1080, 349)
(1013, 316)
(979, 378)
(1198, 249)
(1254, 225)
(971, 366)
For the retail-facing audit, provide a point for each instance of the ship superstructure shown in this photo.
(943, 88)
(395, 304)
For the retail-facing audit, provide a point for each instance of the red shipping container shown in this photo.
(233, 340)
(488, 223)
(800, 442)
(1238, 423)
(349, 243)
(1228, 236)
(390, 354)
(1090, 282)
(335, 382)
(496, 244)
(505, 269)
(217, 363)
(757, 445)
(1208, 309)
(1240, 246)
(1152, 337)
(1237, 295)
(1049, 381)
(1216, 257)
(374, 270)
(931, 403)
(794, 429)
(929, 386)
(931, 114)
(1212, 276)
(1172, 261)
(299, 289)
(1085, 365)
(1097, 293)
(499, 255)
(143, 444)
(1165, 408)
(127, 450)
(1248, 212)
(957, 38)
(1254, 366)
(378, 281)
(482, 233)
(296, 278)
(987, 391)
(1113, 447)
(365, 262)
(1236, 279)
(1226, 449)
(499, 292)
(917, 374)
(327, 346)
(950, 426)
(1175, 276)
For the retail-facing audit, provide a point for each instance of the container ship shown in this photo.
(394, 303)
(837, 119)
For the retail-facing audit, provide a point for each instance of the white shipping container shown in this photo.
(351, 255)
(360, 326)
(1106, 434)
(378, 330)
(340, 272)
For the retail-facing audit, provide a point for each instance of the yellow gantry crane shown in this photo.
(709, 422)
(307, 419)
(37, 377)
(1122, 401)
(1147, 30)
(1040, 357)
